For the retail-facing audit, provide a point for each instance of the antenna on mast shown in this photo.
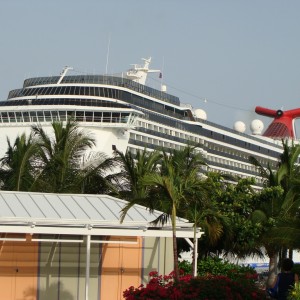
(107, 54)
(163, 87)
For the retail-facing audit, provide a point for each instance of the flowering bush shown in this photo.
(200, 288)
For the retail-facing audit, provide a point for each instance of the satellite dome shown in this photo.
(200, 113)
(257, 126)
(239, 126)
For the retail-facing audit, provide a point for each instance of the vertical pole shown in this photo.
(196, 257)
(87, 267)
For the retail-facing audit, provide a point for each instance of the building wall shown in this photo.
(18, 269)
(56, 271)
(157, 256)
(121, 267)
(62, 268)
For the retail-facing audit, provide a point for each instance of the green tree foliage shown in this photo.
(167, 188)
(61, 154)
(59, 160)
(18, 167)
(278, 204)
(233, 204)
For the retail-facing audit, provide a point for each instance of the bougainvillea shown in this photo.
(200, 288)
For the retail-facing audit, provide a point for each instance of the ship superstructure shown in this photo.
(125, 114)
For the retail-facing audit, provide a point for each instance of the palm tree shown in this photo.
(280, 201)
(133, 169)
(61, 154)
(97, 174)
(18, 169)
(177, 180)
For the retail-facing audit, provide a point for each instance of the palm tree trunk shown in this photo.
(194, 263)
(273, 262)
(175, 255)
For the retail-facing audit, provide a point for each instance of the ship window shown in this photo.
(72, 90)
(57, 91)
(97, 116)
(19, 117)
(124, 118)
(12, 117)
(106, 117)
(115, 117)
(67, 90)
(79, 116)
(44, 91)
(70, 114)
(76, 90)
(92, 91)
(33, 116)
(97, 91)
(54, 116)
(52, 90)
(89, 116)
(40, 116)
(26, 92)
(63, 90)
(26, 116)
(47, 116)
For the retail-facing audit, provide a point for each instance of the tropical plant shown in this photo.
(294, 293)
(61, 154)
(217, 266)
(97, 174)
(162, 181)
(229, 229)
(278, 201)
(133, 168)
(18, 167)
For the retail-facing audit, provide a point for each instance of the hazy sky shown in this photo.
(235, 54)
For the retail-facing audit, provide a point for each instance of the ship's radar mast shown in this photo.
(139, 73)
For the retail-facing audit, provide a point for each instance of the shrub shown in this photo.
(217, 266)
(295, 292)
(208, 287)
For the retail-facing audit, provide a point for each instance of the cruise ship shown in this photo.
(123, 113)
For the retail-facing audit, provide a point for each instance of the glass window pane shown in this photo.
(26, 116)
(88, 116)
(106, 117)
(97, 116)
(47, 116)
(19, 117)
(33, 116)
(12, 117)
(40, 116)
